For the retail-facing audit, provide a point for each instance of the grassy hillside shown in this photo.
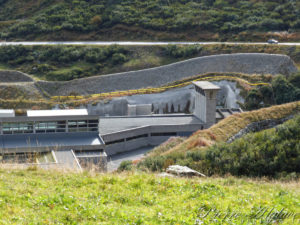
(229, 126)
(41, 197)
(71, 62)
(149, 20)
(273, 152)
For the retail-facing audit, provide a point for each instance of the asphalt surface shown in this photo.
(137, 43)
(114, 161)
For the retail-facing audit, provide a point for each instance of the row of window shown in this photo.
(50, 127)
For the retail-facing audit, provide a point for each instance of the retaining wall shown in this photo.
(11, 76)
(248, 63)
(259, 126)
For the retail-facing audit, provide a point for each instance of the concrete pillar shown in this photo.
(205, 101)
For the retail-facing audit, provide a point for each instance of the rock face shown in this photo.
(248, 63)
(10, 76)
(183, 171)
(258, 126)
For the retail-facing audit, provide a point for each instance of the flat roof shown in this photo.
(116, 124)
(57, 112)
(206, 85)
(50, 140)
(7, 113)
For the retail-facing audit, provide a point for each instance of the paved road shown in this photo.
(133, 43)
(114, 161)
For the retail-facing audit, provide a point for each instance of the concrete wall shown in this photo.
(200, 106)
(211, 103)
(139, 110)
(248, 63)
(149, 140)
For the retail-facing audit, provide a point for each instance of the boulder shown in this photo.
(183, 171)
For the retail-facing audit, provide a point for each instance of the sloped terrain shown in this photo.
(240, 63)
(151, 20)
(272, 152)
(230, 126)
(52, 197)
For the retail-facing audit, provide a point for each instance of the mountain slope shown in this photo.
(149, 20)
(272, 152)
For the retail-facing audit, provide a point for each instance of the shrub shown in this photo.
(118, 58)
(265, 153)
(181, 51)
(271, 153)
(125, 165)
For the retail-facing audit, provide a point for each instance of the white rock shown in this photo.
(183, 171)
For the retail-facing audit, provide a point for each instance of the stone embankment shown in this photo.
(11, 76)
(258, 126)
(248, 63)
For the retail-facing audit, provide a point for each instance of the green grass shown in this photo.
(50, 197)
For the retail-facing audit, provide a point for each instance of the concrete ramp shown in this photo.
(67, 159)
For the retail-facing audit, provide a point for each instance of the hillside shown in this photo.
(63, 63)
(230, 126)
(266, 153)
(51, 197)
(150, 20)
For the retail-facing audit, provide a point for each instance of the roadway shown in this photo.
(114, 161)
(137, 43)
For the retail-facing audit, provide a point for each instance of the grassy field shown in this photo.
(50, 197)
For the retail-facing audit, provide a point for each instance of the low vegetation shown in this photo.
(149, 20)
(64, 63)
(272, 152)
(281, 90)
(50, 197)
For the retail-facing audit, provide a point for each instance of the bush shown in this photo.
(181, 51)
(118, 58)
(209, 16)
(266, 153)
(294, 79)
(48, 60)
(271, 153)
(125, 165)
(281, 91)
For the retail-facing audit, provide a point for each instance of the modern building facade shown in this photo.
(127, 133)
(41, 132)
(76, 139)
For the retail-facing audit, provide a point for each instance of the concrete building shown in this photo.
(122, 134)
(74, 139)
(69, 137)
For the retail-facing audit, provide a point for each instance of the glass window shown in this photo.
(17, 128)
(82, 123)
(72, 123)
